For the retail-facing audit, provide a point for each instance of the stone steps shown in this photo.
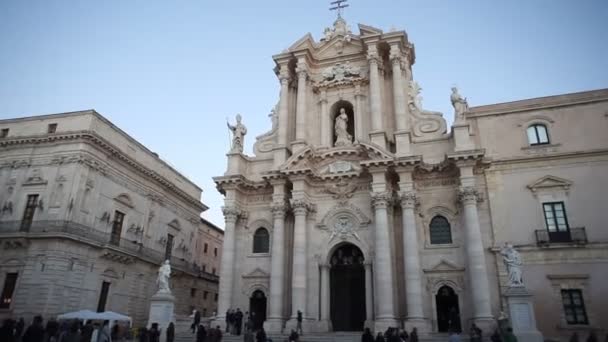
(319, 337)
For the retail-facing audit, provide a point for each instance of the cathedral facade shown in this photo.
(361, 209)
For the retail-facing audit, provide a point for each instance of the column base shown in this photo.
(274, 325)
(381, 325)
(423, 325)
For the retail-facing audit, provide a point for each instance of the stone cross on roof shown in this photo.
(338, 6)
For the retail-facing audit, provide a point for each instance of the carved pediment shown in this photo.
(444, 266)
(550, 183)
(339, 46)
(366, 30)
(256, 273)
(125, 200)
(306, 42)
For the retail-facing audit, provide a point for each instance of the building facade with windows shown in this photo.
(87, 216)
(360, 208)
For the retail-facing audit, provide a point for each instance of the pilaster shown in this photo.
(301, 127)
(378, 133)
(281, 151)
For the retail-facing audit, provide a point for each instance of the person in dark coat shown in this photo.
(197, 321)
(19, 328)
(86, 332)
(201, 334)
(238, 320)
(248, 336)
(414, 335)
(142, 334)
(367, 336)
(379, 337)
(496, 336)
(293, 337)
(509, 336)
(35, 332)
(261, 335)
(52, 330)
(154, 333)
(170, 332)
(72, 335)
(7, 331)
(592, 336)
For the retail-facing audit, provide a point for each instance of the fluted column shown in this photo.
(385, 311)
(301, 128)
(325, 121)
(325, 292)
(475, 256)
(277, 264)
(411, 258)
(299, 276)
(281, 154)
(369, 292)
(231, 215)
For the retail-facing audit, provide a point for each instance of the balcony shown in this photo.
(90, 235)
(576, 236)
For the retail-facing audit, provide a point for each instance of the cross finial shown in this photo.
(338, 6)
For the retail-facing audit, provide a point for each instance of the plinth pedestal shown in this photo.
(162, 306)
(521, 314)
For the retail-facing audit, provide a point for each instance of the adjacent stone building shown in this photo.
(360, 208)
(87, 215)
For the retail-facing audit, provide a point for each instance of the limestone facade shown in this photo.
(89, 213)
(427, 209)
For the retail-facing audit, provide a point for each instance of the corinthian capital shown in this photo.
(300, 206)
(468, 195)
(373, 58)
(381, 199)
(278, 209)
(408, 199)
(302, 71)
(231, 213)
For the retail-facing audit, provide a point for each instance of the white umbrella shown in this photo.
(81, 314)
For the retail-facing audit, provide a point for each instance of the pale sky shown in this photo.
(170, 72)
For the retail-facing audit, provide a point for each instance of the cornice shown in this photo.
(99, 142)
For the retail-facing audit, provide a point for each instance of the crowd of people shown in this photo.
(390, 335)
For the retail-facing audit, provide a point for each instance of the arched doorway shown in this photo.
(257, 309)
(350, 113)
(347, 284)
(448, 310)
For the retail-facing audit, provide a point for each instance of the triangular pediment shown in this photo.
(306, 42)
(550, 182)
(339, 46)
(257, 273)
(366, 30)
(444, 266)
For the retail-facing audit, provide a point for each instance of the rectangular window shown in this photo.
(52, 128)
(574, 307)
(30, 210)
(8, 290)
(555, 216)
(117, 228)
(215, 297)
(193, 292)
(213, 271)
(205, 248)
(103, 296)
(215, 251)
(4, 133)
(205, 295)
(169, 247)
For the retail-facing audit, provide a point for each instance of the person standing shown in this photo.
(261, 335)
(103, 334)
(35, 332)
(19, 327)
(299, 327)
(475, 333)
(414, 335)
(7, 331)
(52, 330)
(248, 336)
(496, 336)
(72, 335)
(367, 336)
(380, 337)
(238, 320)
(197, 320)
(86, 332)
(201, 334)
(154, 333)
(228, 312)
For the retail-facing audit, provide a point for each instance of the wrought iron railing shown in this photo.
(573, 235)
(103, 239)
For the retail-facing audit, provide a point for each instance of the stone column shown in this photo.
(325, 122)
(475, 257)
(301, 128)
(385, 312)
(402, 137)
(325, 317)
(358, 114)
(299, 276)
(411, 261)
(369, 292)
(231, 215)
(277, 267)
(377, 134)
(281, 154)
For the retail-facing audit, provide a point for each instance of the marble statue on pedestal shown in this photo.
(460, 104)
(512, 261)
(238, 135)
(164, 273)
(343, 138)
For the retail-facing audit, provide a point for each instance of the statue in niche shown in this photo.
(512, 261)
(460, 104)
(343, 138)
(238, 135)
(164, 273)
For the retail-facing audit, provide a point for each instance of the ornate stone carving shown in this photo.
(381, 199)
(278, 210)
(340, 28)
(468, 195)
(512, 261)
(425, 123)
(35, 178)
(231, 213)
(343, 227)
(301, 206)
(266, 142)
(340, 73)
(341, 191)
(343, 209)
(343, 138)
(408, 200)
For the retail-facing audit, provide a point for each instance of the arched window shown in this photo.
(261, 241)
(537, 134)
(441, 232)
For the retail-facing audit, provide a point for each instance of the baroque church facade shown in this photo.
(359, 208)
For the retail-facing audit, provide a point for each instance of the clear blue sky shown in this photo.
(170, 72)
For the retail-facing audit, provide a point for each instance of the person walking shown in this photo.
(261, 335)
(238, 320)
(380, 337)
(35, 332)
(414, 335)
(154, 333)
(72, 335)
(19, 327)
(367, 336)
(197, 321)
(143, 335)
(299, 327)
(201, 334)
(170, 332)
(52, 330)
